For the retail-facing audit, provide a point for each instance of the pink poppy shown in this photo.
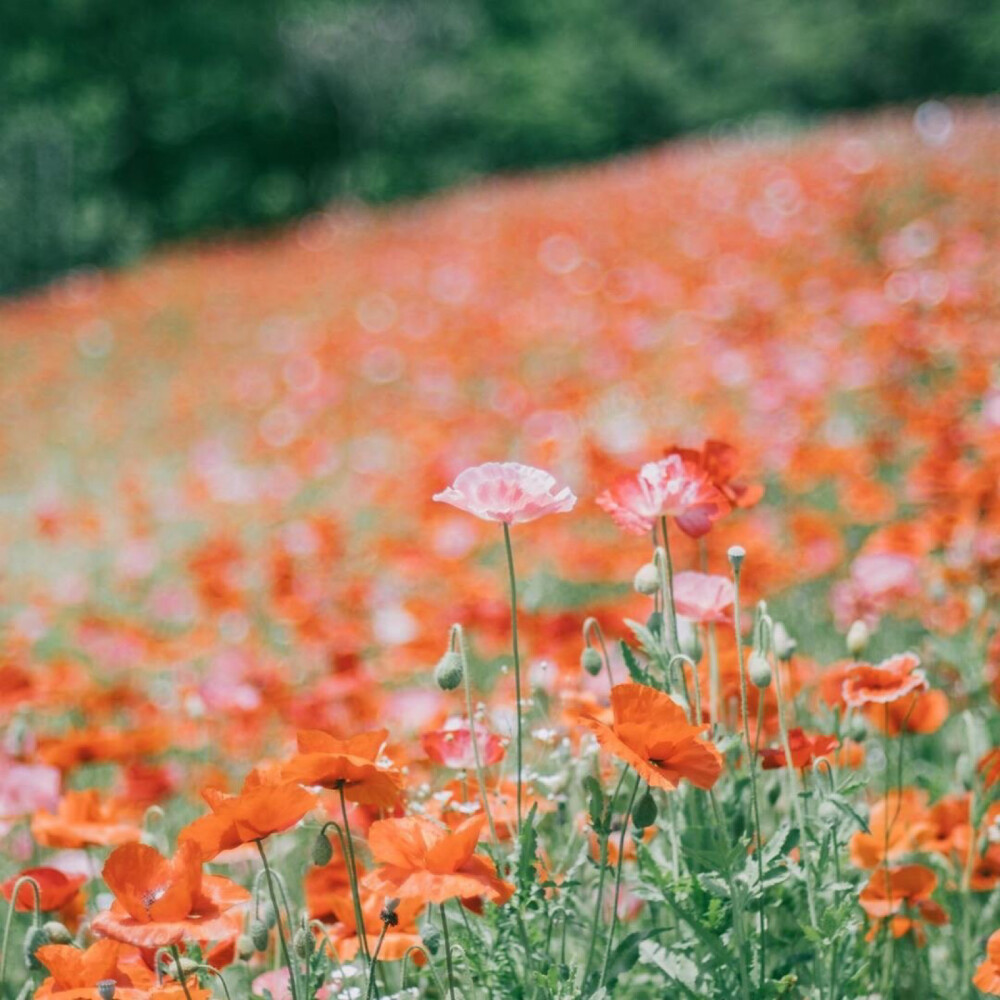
(453, 747)
(508, 492)
(276, 983)
(876, 582)
(671, 487)
(703, 597)
(26, 788)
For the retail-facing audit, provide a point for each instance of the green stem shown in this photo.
(182, 979)
(352, 874)
(369, 993)
(713, 677)
(292, 979)
(447, 947)
(517, 669)
(738, 929)
(459, 634)
(670, 579)
(593, 625)
(618, 878)
(23, 880)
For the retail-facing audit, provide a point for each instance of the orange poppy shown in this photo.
(987, 977)
(900, 675)
(74, 974)
(399, 938)
(908, 823)
(351, 764)
(162, 901)
(903, 895)
(420, 859)
(922, 712)
(266, 805)
(804, 749)
(83, 820)
(651, 734)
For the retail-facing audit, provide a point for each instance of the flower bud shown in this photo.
(736, 555)
(591, 661)
(106, 989)
(245, 948)
(644, 813)
(270, 914)
(58, 933)
(448, 672)
(431, 938)
(828, 812)
(858, 728)
(857, 637)
(759, 670)
(259, 935)
(35, 938)
(647, 579)
(322, 852)
(783, 644)
(303, 942)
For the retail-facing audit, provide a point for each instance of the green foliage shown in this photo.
(125, 124)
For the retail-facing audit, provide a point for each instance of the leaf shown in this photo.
(632, 664)
(596, 808)
(527, 848)
(677, 966)
(780, 843)
(845, 807)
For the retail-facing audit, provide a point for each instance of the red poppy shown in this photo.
(804, 749)
(885, 682)
(57, 889)
(651, 734)
(904, 896)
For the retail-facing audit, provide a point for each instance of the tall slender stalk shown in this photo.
(447, 947)
(23, 880)
(182, 979)
(670, 580)
(352, 874)
(517, 671)
(713, 677)
(292, 978)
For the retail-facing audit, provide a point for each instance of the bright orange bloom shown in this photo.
(266, 805)
(651, 734)
(922, 712)
(909, 827)
(398, 938)
(162, 901)
(987, 977)
(422, 860)
(805, 749)
(83, 820)
(351, 764)
(891, 679)
(903, 895)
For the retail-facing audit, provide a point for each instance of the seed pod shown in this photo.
(322, 852)
(106, 989)
(590, 660)
(644, 813)
(647, 579)
(259, 935)
(736, 555)
(35, 938)
(448, 672)
(58, 933)
(759, 670)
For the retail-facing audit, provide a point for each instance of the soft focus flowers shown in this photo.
(703, 597)
(508, 492)
(885, 682)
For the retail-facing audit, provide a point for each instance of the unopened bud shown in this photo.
(759, 670)
(858, 728)
(828, 812)
(35, 938)
(644, 813)
(784, 645)
(245, 948)
(857, 637)
(590, 660)
(270, 914)
(259, 935)
(58, 933)
(303, 943)
(448, 672)
(647, 579)
(322, 852)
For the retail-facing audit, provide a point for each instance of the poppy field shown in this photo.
(580, 585)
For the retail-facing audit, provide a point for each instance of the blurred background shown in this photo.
(128, 124)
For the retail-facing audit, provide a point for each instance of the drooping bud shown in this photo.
(431, 938)
(58, 933)
(269, 914)
(303, 942)
(259, 935)
(644, 813)
(759, 670)
(784, 645)
(448, 672)
(322, 852)
(35, 938)
(857, 638)
(245, 948)
(647, 579)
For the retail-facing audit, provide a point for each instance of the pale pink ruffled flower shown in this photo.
(507, 492)
(26, 788)
(877, 581)
(703, 597)
(670, 487)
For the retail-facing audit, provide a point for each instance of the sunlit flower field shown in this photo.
(579, 585)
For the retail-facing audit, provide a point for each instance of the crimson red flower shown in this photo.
(670, 487)
(804, 749)
(893, 678)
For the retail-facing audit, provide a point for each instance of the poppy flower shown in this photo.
(399, 938)
(721, 464)
(507, 492)
(670, 487)
(904, 896)
(27, 788)
(351, 764)
(74, 973)
(419, 859)
(804, 749)
(909, 826)
(83, 819)
(921, 712)
(885, 682)
(651, 734)
(987, 977)
(56, 889)
(266, 805)
(703, 597)
(162, 901)
(453, 747)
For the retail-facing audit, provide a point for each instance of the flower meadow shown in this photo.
(572, 586)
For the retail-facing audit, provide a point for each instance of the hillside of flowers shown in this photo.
(581, 585)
